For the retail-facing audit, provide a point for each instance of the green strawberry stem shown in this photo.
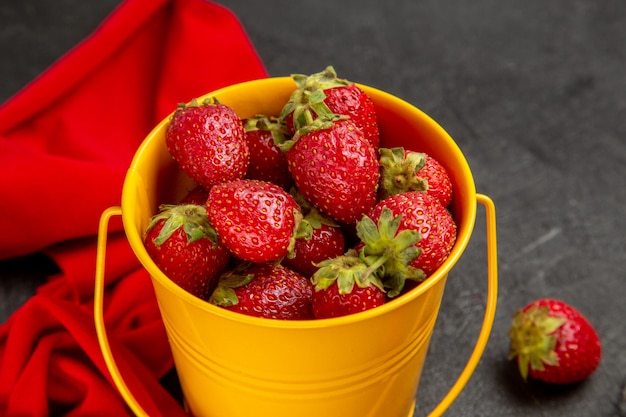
(195, 103)
(347, 270)
(533, 340)
(224, 295)
(383, 259)
(306, 103)
(309, 124)
(210, 100)
(269, 124)
(390, 251)
(191, 217)
(321, 80)
(313, 218)
(399, 171)
(377, 263)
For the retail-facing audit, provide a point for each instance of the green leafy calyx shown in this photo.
(399, 171)
(191, 217)
(307, 106)
(224, 294)
(271, 124)
(533, 339)
(313, 218)
(390, 250)
(347, 271)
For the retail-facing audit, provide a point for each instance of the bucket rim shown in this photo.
(135, 238)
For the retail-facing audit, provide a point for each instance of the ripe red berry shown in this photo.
(182, 243)
(265, 290)
(437, 179)
(553, 342)
(267, 160)
(330, 302)
(345, 285)
(318, 238)
(335, 169)
(255, 220)
(208, 142)
(324, 242)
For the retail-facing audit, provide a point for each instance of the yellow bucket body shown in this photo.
(232, 365)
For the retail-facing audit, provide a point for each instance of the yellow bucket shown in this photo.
(363, 365)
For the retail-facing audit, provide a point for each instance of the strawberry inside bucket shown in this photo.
(364, 364)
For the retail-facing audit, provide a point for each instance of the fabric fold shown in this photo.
(66, 141)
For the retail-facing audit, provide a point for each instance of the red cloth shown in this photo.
(66, 141)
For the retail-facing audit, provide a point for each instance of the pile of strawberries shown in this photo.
(303, 215)
(300, 215)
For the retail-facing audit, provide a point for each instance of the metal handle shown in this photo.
(490, 311)
(98, 313)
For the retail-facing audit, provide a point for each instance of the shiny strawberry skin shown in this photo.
(329, 303)
(352, 101)
(192, 264)
(255, 220)
(425, 213)
(575, 346)
(275, 292)
(336, 169)
(208, 143)
(325, 242)
(267, 161)
(439, 182)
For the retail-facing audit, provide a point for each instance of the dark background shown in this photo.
(534, 93)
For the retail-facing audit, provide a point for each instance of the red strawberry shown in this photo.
(324, 242)
(404, 170)
(438, 180)
(255, 220)
(198, 195)
(553, 342)
(208, 142)
(267, 160)
(335, 168)
(425, 214)
(318, 238)
(325, 91)
(265, 290)
(182, 243)
(345, 285)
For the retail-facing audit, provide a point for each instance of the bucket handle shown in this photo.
(99, 313)
(446, 402)
(490, 311)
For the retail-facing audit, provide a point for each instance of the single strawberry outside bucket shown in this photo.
(363, 365)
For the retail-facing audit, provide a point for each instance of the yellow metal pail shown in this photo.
(363, 365)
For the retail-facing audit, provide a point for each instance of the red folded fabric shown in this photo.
(66, 141)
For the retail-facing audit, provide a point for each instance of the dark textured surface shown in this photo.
(533, 92)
